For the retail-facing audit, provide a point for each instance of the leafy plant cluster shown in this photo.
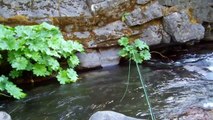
(138, 51)
(36, 49)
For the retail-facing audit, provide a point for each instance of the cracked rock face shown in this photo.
(202, 9)
(139, 16)
(181, 29)
(151, 35)
(101, 58)
(74, 8)
(98, 24)
(111, 31)
(154, 35)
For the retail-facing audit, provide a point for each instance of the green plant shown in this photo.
(138, 51)
(36, 49)
(123, 18)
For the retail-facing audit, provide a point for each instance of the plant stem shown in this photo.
(4, 95)
(145, 92)
(129, 73)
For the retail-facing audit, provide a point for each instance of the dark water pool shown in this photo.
(173, 87)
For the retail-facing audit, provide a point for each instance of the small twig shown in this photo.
(4, 95)
(13, 109)
(160, 54)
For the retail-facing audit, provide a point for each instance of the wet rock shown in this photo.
(113, 30)
(110, 115)
(139, 16)
(89, 60)
(4, 116)
(196, 114)
(181, 29)
(151, 35)
(109, 57)
(142, 1)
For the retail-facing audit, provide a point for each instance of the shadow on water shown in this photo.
(173, 87)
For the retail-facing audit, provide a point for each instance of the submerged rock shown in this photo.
(178, 25)
(196, 114)
(110, 115)
(4, 116)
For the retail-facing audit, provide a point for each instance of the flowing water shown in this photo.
(173, 87)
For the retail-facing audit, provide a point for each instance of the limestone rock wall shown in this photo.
(98, 24)
(202, 9)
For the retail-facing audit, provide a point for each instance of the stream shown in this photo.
(173, 87)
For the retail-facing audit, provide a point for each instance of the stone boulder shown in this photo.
(178, 25)
(151, 36)
(202, 9)
(44, 9)
(104, 5)
(154, 35)
(74, 8)
(107, 36)
(195, 114)
(109, 57)
(89, 60)
(110, 115)
(108, 10)
(99, 58)
(113, 30)
(4, 116)
(139, 16)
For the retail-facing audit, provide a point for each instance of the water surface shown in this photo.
(173, 87)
